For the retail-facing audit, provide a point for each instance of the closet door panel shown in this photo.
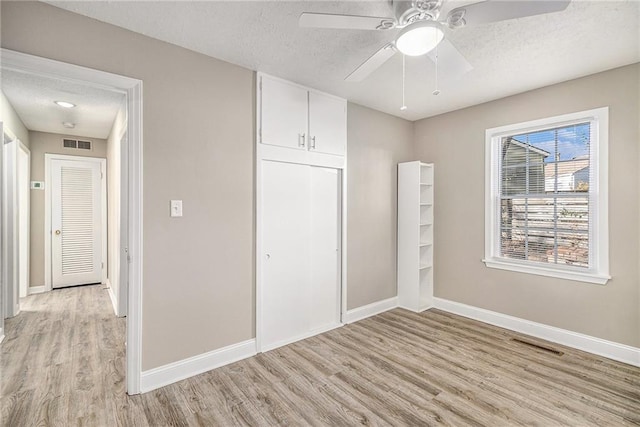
(286, 236)
(324, 310)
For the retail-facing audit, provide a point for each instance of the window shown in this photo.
(546, 197)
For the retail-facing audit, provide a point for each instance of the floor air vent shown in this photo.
(538, 346)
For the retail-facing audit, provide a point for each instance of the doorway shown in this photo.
(131, 183)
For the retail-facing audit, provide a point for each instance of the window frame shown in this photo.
(598, 271)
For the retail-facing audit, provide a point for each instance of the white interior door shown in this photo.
(76, 222)
(24, 177)
(286, 261)
(300, 284)
(324, 307)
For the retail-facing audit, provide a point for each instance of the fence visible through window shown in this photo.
(544, 195)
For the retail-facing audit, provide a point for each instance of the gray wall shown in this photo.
(41, 143)
(455, 143)
(198, 146)
(377, 142)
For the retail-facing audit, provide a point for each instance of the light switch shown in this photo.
(176, 208)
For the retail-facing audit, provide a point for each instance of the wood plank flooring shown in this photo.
(62, 363)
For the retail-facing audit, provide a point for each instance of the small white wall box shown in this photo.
(176, 208)
(37, 185)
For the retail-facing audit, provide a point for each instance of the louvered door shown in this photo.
(76, 222)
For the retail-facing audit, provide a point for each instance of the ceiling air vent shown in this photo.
(77, 144)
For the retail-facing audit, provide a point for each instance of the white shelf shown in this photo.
(415, 247)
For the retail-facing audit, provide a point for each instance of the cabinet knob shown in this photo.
(301, 139)
(267, 256)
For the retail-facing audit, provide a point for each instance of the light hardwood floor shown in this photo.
(62, 363)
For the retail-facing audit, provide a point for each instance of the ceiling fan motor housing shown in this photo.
(408, 12)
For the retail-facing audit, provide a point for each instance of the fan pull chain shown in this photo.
(404, 106)
(437, 91)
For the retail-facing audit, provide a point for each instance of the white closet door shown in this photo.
(285, 251)
(76, 222)
(324, 308)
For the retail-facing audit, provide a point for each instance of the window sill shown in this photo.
(600, 279)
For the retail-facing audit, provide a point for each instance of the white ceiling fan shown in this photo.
(422, 29)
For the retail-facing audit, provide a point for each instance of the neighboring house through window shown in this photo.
(546, 197)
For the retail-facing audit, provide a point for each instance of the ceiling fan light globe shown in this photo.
(419, 38)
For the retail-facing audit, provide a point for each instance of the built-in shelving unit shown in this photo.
(415, 235)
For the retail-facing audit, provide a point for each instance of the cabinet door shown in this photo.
(285, 253)
(284, 114)
(327, 124)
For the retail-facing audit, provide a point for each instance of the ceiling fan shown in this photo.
(421, 28)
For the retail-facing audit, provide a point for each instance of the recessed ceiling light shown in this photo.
(65, 104)
(68, 125)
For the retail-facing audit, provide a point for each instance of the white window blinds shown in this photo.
(545, 190)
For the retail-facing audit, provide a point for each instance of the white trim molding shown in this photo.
(1, 335)
(609, 349)
(369, 310)
(598, 269)
(32, 290)
(186, 368)
(112, 296)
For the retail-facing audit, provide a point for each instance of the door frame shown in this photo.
(24, 239)
(9, 306)
(10, 292)
(132, 89)
(48, 205)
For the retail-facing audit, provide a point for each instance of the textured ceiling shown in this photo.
(507, 57)
(32, 97)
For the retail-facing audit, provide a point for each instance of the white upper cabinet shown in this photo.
(327, 124)
(284, 114)
(295, 117)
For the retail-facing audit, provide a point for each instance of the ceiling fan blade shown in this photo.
(493, 11)
(451, 63)
(349, 22)
(372, 64)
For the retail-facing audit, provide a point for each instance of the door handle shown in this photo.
(57, 232)
(301, 138)
(313, 143)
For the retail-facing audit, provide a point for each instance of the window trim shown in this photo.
(598, 210)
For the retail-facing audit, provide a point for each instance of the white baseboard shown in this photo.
(612, 350)
(370, 310)
(36, 290)
(176, 371)
(112, 296)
